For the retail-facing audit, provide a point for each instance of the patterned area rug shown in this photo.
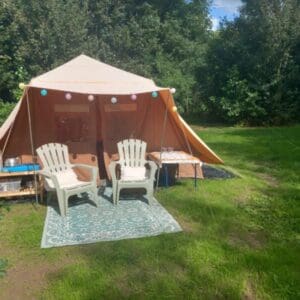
(86, 223)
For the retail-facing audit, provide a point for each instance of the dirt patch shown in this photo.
(26, 280)
(249, 291)
(242, 198)
(188, 226)
(22, 281)
(269, 179)
(254, 240)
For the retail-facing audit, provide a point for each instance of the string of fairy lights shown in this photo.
(91, 97)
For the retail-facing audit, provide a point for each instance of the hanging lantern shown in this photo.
(173, 90)
(133, 97)
(68, 96)
(154, 94)
(91, 98)
(44, 92)
(22, 85)
(174, 108)
(114, 100)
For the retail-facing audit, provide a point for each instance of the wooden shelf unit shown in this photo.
(23, 191)
(16, 174)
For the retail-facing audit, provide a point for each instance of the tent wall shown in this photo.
(92, 129)
(54, 119)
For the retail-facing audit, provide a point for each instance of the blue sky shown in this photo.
(224, 8)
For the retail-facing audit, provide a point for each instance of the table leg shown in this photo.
(195, 183)
(36, 188)
(166, 175)
(157, 179)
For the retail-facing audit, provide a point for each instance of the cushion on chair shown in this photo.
(66, 179)
(133, 173)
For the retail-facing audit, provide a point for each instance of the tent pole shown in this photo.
(162, 138)
(32, 146)
(7, 138)
(191, 153)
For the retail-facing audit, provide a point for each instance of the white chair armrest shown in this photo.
(50, 176)
(45, 173)
(153, 169)
(112, 169)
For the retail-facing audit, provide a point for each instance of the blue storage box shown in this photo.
(22, 168)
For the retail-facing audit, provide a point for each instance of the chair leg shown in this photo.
(149, 194)
(95, 195)
(114, 193)
(66, 201)
(61, 203)
(118, 195)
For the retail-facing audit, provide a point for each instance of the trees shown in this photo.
(247, 72)
(152, 38)
(253, 65)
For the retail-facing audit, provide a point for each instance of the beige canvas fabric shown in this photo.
(87, 75)
(8, 122)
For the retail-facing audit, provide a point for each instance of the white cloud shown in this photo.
(230, 6)
(215, 23)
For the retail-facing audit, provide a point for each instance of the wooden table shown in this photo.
(165, 158)
(35, 190)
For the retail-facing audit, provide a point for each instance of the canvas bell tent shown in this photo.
(90, 106)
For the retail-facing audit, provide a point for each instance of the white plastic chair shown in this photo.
(60, 176)
(133, 171)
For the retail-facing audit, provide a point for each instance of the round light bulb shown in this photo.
(114, 100)
(22, 85)
(173, 90)
(154, 94)
(44, 92)
(91, 98)
(133, 97)
(174, 108)
(68, 96)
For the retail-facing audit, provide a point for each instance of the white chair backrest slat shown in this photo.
(132, 152)
(143, 153)
(54, 156)
(48, 158)
(126, 152)
(138, 153)
(53, 153)
(60, 157)
(121, 152)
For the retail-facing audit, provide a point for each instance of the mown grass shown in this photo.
(240, 239)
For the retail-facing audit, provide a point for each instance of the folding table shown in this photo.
(165, 158)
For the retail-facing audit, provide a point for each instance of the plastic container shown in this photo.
(10, 184)
(22, 168)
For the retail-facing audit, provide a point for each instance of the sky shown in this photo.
(224, 8)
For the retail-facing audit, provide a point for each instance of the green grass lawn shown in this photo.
(240, 239)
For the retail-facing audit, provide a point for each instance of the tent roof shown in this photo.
(85, 75)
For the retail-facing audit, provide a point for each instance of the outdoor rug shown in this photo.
(85, 223)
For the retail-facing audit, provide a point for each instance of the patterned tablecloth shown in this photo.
(174, 157)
